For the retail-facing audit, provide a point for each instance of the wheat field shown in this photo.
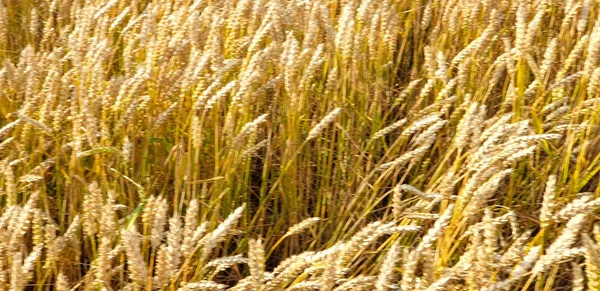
(299, 145)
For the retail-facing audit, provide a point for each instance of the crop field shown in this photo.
(300, 145)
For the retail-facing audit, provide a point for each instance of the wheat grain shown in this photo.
(548, 204)
(388, 129)
(320, 127)
(386, 273)
(135, 261)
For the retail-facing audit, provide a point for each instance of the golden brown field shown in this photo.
(299, 145)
